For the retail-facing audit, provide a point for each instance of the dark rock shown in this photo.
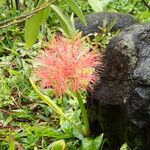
(95, 22)
(120, 102)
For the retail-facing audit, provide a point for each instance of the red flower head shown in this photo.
(67, 64)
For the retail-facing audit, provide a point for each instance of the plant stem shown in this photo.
(16, 20)
(84, 113)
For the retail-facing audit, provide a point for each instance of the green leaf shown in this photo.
(87, 144)
(32, 28)
(46, 13)
(125, 147)
(8, 120)
(58, 145)
(98, 5)
(35, 148)
(12, 145)
(2, 2)
(92, 143)
(99, 142)
(64, 21)
(1, 116)
(84, 112)
(65, 126)
(76, 9)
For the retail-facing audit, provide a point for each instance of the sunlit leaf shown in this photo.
(125, 147)
(12, 145)
(76, 9)
(8, 120)
(99, 142)
(64, 20)
(98, 5)
(92, 143)
(46, 11)
(87, 144)
(59, 145)
(2, 2)
(32, 28)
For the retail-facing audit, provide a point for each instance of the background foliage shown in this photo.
(25, 121)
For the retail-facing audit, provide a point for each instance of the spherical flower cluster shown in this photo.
(67, 64)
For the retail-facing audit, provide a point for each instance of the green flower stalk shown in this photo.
(84, 113)
(68, 64)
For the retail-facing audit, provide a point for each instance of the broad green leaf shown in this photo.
(65, 126)
(58, 145)
(92, 143)
(76, 9)
(125, 147)
(32, 28)
(98, 5)
(2, 2)
(46, 11)
(8, 120)
(99, 142)
(87, 144)
(64, 21)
